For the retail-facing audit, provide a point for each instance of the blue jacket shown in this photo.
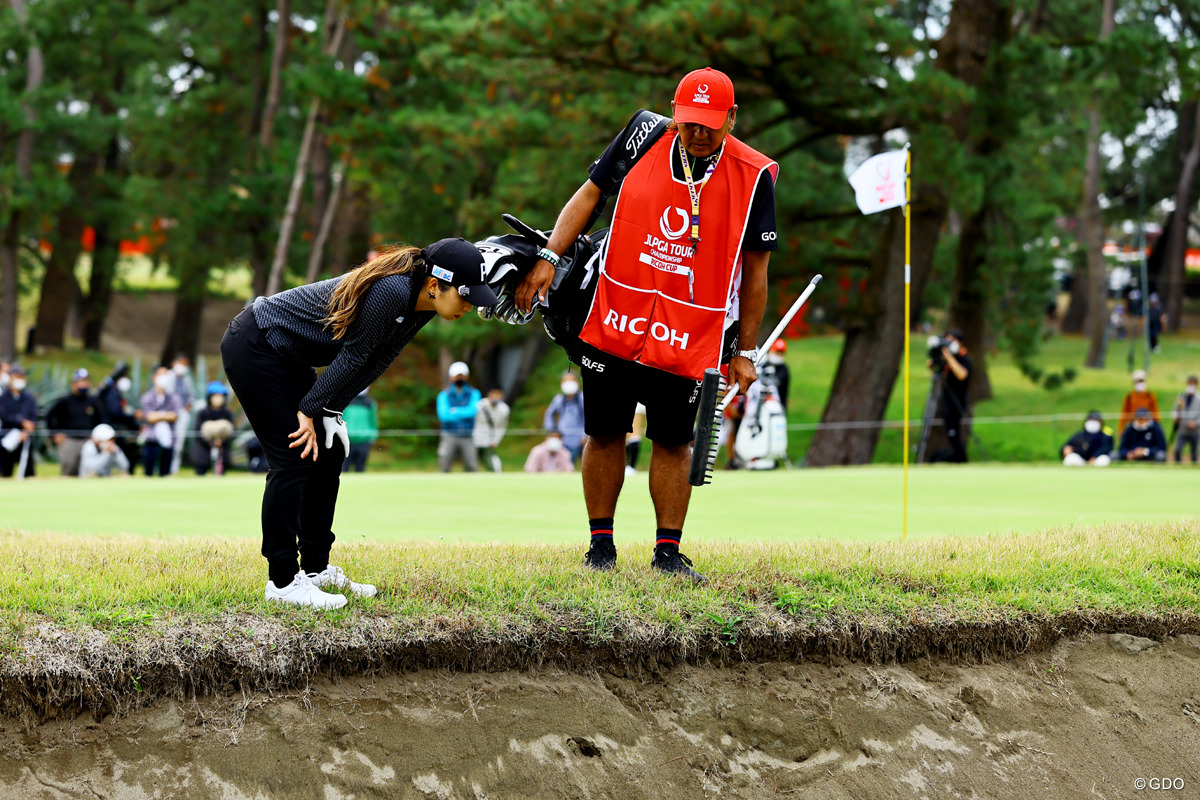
(1152, 438)
(456, 409)
(15, 410)
(565, 415)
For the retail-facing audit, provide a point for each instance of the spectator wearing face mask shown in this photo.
(550, 455)
(185, 390)
(115, 410)
(565, 414)
(1187, 419)
(101, 457)
(1092, 445)
(1143, 440)
(1139, 398)
(491, 422)
(71, 420)
(457, 405)
(18, 421)
(160, 412)
(214, 429)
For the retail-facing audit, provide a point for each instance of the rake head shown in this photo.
(708, 427)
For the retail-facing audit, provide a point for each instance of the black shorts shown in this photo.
(613, 387)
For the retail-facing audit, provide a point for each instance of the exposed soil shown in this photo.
(1083, 718)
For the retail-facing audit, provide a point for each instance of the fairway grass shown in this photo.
(847, 504)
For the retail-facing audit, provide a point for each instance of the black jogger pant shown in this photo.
(300, 496)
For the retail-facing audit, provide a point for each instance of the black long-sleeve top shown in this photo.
(74, 414)
(294, 324)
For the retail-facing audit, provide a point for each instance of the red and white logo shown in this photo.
(701, 95)
(664, 222)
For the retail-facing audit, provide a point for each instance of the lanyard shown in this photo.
(694, 192)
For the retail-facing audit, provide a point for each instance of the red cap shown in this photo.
(779, 346)
(704, 96)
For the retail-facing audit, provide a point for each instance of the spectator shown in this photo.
(5, 377)
(565, 414)
(1143, 440)
(1154, 319)
(550, 455)
(1139, 398)
(491, 422)
(18, 421)
(1116, 321)
(776, 373)
(1092, 445)
(185, 389)
(633, 440)
(214, 431)
(956, 367)
(456, 408)
(71, 420)
(362, 425)
(1187, 419)
(731, 423)
(100, 456)
(116, 411)
(160, 412)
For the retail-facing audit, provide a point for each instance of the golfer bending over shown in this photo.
(357, 324)
(691, 236)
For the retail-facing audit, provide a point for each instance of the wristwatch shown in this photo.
(750, 354)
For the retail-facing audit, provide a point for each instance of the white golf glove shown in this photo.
(336, 426)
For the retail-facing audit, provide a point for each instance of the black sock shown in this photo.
(667, 539)
(602, 530)
(282, 572)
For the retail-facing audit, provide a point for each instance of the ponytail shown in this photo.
(392, 260)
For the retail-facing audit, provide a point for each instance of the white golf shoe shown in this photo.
(333, 576)
(303, 592)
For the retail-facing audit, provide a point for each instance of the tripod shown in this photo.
(937, 382)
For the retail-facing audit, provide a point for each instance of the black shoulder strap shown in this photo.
(643, 130)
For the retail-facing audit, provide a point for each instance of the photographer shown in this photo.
(949, 355)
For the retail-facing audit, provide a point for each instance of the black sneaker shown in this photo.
(602, 555)
(671, 561)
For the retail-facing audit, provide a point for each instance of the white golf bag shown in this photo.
(762, 438)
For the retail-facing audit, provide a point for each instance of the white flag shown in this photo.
(879, 182)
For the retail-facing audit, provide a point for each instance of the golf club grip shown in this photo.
(775, 334)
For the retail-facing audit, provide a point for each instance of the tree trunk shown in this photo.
(871, 356)
(184, 333)
(288, 223)
(1174, 278)
(1076, 313)
(317, 255)
(278, 57)
(969, 299)
(1092, 224)
(59, 286)
(10, 237)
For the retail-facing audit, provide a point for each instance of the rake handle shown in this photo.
(775, 334)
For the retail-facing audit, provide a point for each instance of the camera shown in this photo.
(937, 362)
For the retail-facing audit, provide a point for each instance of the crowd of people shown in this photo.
(97, 432)
(1141, 435)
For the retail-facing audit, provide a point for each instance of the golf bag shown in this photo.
(509, 257)
(761, 441)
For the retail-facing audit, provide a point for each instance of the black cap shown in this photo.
(1095, 415)
(1142, 413)
(460, 264)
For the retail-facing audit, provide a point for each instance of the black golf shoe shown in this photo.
(673, 562)
(602, 555)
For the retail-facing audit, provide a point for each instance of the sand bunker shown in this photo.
(1087, 718)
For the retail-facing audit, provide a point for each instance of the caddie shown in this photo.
(682, 285)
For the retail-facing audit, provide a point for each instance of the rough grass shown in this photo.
(106, 623)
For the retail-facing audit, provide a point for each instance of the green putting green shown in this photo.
(861, 503)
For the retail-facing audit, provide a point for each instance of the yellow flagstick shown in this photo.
(907, 316)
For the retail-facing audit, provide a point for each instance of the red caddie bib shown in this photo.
(646, 309)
